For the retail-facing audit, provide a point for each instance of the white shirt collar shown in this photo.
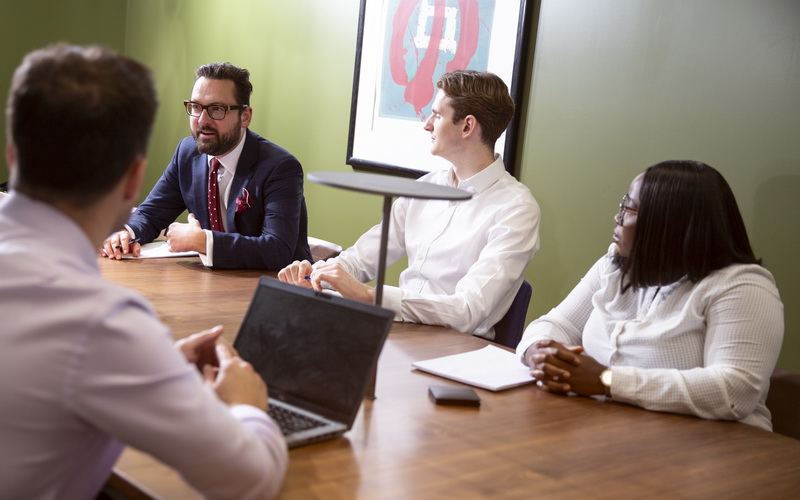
(482, 180)
(231, 160)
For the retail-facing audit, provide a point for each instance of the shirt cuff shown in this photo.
(523, 346)
(393, 300)
(243, 411)
(623, 384)
(208, 258)
(249, 413)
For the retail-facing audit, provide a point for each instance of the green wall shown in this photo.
(620, 85)
(26, 25)
(614, 87)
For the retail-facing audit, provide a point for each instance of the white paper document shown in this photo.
(490, 368)
(156, 250)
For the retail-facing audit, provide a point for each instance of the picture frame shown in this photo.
(395, 74)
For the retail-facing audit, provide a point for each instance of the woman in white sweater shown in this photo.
(678, 316)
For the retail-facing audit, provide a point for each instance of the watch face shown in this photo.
(605, 377)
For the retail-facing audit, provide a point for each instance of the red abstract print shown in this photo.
(419, 89)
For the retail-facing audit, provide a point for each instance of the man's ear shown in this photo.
(247, 116)
(134, 179)
(470, 126)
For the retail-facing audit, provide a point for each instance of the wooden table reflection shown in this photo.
(521, 443)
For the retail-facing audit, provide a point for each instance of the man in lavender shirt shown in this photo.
(86, 367)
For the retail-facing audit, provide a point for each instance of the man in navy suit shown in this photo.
(257, 190)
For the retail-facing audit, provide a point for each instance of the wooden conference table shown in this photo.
(521, 443)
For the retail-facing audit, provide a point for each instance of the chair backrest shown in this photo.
(508, 331)
(322, 249)
(783, 402)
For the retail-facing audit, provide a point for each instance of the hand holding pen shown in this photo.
(326, 275)
(120, 244)
(297, 273)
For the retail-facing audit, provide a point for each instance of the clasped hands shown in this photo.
(302, 273)
(232, 378)
(563, 368)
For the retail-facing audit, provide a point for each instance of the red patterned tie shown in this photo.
(214, 210)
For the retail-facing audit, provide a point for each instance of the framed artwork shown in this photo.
(403, 47)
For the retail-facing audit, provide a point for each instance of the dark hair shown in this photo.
(482, 95)
(688, 225)
(227, 71)
(78, 118)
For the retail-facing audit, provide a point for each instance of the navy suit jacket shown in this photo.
(270, 234)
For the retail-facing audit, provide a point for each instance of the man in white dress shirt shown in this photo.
(86, 367)
(465, 259)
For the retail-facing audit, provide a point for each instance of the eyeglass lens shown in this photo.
(623, 207)
(215, 112)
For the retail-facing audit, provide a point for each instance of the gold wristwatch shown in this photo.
(605, 379)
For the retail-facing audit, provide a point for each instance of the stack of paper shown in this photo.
(157, 250)
(490, 368)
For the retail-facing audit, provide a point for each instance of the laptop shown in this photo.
(316, 352)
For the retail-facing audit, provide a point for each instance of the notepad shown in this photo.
(156, 250)
(489, 368)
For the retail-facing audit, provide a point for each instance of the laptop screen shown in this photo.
(313, 350)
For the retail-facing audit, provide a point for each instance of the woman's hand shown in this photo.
(563, 368)
(552, 363)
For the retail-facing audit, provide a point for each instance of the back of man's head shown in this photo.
(482, 95)
(77, 118)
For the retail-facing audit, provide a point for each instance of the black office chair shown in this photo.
(508, 331)
(783, 402)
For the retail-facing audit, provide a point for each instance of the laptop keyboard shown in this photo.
(290, 421)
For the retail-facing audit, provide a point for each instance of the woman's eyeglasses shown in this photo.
(623, 209)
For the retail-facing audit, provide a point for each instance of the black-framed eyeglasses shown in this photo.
(623, 209)
(215, 111)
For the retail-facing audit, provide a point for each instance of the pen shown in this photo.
(129, 243)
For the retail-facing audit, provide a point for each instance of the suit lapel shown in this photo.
(200, 170)
(244, 171)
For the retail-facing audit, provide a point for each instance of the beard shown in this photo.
(219, 144)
